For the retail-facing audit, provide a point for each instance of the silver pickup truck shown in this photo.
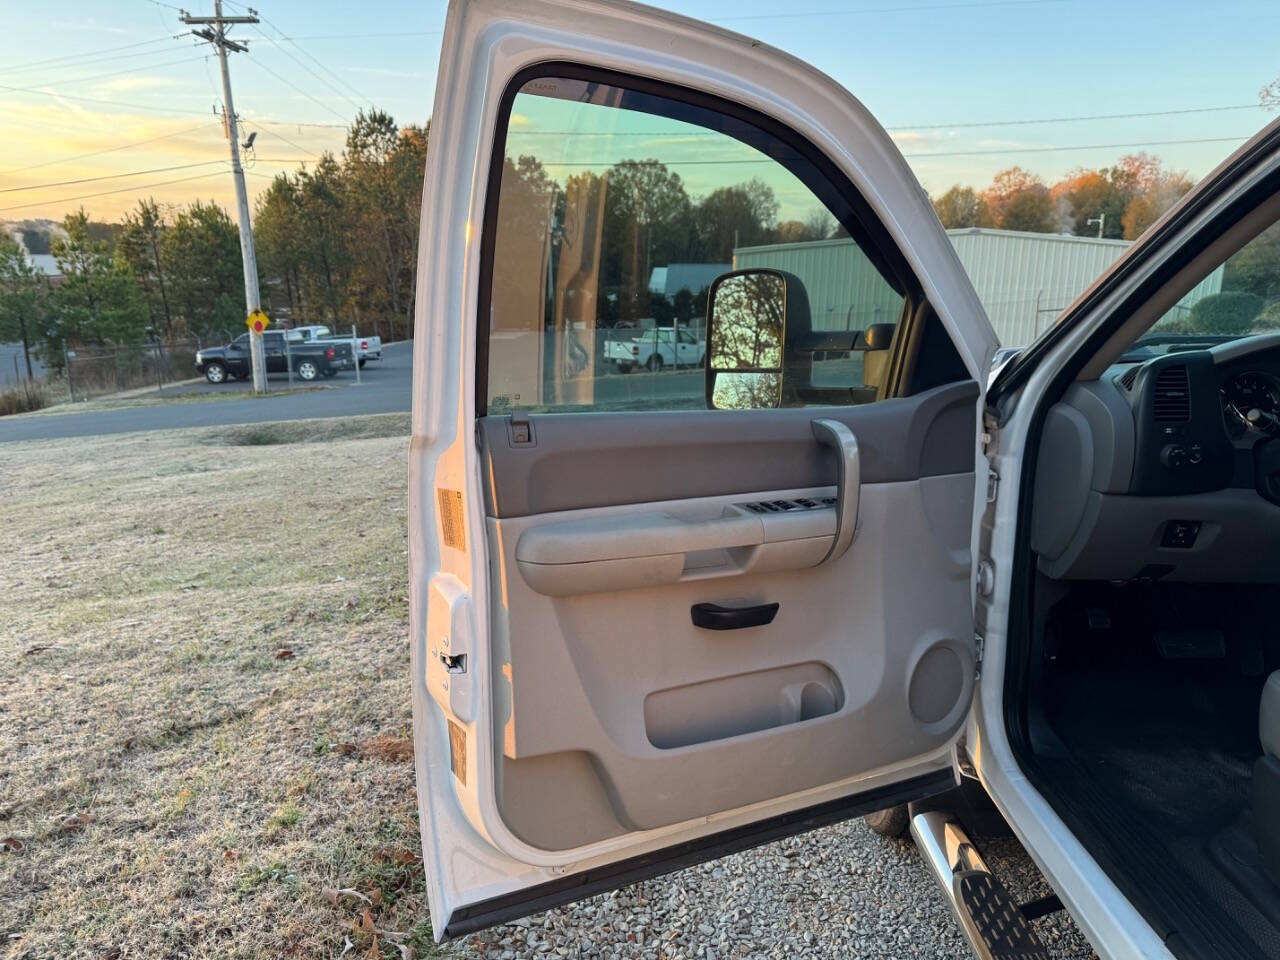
(362, 348)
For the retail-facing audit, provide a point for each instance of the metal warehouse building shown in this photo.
(1025, 280)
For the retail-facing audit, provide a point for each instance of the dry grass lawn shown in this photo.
(204, 709)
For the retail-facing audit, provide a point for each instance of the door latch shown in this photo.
(993, 485)
(455, 662)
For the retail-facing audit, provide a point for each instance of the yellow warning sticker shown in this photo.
(451, 526)
(458, 752)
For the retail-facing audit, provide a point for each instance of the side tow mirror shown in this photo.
(748, 314)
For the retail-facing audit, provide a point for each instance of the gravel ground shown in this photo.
(837, 892)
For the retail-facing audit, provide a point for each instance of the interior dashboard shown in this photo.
(1165, 467)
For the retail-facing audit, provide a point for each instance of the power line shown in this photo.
(293, 123)
(308, 55)
(1098, 116)
(1090, 146)
(904, 9)
(111, 103)
(369, 36)
(85, 63)
(112, 176)
(310, 71)
(144, 106)
(97, 153)
(118, 73)
(287, 83)
(89, 53)
(107, 193)
(272, 133)
(956, 153)
(901, 128)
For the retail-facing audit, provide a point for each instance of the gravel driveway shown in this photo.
(837, 892)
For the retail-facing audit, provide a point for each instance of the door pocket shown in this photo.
(746, 703)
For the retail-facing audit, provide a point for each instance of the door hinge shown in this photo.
(993, 485)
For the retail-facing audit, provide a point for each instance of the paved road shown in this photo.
(384, 388)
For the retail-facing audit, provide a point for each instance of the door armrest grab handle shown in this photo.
(834, 434)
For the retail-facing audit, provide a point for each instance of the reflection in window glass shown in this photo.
(1240, 298)
(617, 210)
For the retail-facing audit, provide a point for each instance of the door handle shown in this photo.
(834, 434)
(712, 616)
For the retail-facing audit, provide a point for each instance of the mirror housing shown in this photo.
(755, 319)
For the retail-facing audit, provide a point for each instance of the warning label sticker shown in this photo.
(451, 527)
(458, 752)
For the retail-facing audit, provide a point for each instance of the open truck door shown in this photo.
(648, 630)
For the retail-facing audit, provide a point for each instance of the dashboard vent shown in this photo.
(1130, 376)
(1172, 395)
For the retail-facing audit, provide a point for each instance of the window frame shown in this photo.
(871, 236)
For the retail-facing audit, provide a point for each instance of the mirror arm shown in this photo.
(834, 434)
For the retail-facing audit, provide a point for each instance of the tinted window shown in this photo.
(617, 210)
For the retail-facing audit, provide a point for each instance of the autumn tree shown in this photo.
(1085, 195)
(962, 207)
(1019, 200)
(1152, 191)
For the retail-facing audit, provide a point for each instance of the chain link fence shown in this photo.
(94, 371)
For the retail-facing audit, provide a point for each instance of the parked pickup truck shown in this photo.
(309, 360)
(364, 348)
(656, 348)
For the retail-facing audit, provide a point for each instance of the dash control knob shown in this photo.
(1174, 456)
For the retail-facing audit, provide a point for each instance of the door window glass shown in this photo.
(617, 210)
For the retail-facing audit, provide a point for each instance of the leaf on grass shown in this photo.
(385, 747)
(332, 894)
(12, 845)
(375, 898)
(364, 924)
(284, 653)
(129, 743)
(231, 855)
(77, 821)
(346, 748)
(401, 855)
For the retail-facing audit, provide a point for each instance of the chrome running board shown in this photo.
(995, 925)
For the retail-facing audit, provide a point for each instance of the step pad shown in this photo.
(994, 920)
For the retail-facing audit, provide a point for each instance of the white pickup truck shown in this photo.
(656, 348)
(363, 348)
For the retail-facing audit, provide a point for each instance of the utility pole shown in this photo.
(218, 37)
(1100, 220)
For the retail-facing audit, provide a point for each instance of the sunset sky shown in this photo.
(103, 103)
